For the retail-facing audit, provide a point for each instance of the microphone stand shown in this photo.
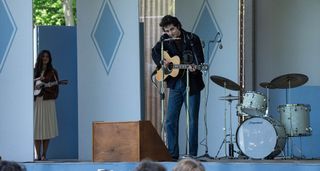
(162, 95)
(206, 156)
(187, 116)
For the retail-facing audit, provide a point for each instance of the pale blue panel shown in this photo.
(108, 65)
(107, 34)
(7, 31)
(207, 29)
(216, 22)
(16, 80)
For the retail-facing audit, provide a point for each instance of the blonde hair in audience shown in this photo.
(189, 165)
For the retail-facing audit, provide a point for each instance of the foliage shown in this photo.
(49, 12)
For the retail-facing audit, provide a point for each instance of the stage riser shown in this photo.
(216, 166)
(127, 142)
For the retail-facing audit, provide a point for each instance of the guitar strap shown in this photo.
(55, 77)
(153, 79)
(192, 47)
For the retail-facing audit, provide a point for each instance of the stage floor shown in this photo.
(214, 165)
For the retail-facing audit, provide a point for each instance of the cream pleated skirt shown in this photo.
(45, 119)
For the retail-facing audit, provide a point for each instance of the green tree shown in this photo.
(54, 12)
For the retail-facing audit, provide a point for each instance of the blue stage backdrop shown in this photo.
(62, 43)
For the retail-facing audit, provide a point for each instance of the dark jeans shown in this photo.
(177, 96)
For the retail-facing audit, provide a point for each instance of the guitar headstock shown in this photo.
(204, 67)
(63, 82)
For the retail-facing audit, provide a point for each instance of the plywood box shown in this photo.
(127, 142)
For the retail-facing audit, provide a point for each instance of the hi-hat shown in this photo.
(290, 80)
(224, 82)
(267, 85)
(229, 97)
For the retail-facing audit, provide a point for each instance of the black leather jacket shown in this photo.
(189, 44)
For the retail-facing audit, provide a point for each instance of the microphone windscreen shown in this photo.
(164, 37)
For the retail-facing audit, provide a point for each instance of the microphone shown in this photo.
(218, 40)
(220, 44)
(166, 37)
(203, 44)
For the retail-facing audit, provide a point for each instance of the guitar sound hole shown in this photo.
(170, 66)
(168, 69)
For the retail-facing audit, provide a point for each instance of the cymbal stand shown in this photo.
(268, 103)
(224, 142)
(290, 141)
(225, 121)
(231, 147)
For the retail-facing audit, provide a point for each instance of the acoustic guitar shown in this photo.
(40, 85)
(174, 66)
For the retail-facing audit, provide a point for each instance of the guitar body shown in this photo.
(170, 70)
(37, 86)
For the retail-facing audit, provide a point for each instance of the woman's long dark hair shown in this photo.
(38, 66)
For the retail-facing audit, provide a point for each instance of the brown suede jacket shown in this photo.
(52, 91)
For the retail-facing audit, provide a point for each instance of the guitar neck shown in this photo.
(185, 66)
(49, 84)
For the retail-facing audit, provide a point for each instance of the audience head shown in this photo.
(189, 164)
(10, 166)
(148, 165)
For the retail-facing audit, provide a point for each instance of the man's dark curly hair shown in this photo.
(169, 19)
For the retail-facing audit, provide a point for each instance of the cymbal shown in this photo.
(290, 80)
(267, 85)
(229, 97)
(224, 82)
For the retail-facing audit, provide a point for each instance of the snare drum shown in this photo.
(254, 104)
(296, 119)
(261, 138)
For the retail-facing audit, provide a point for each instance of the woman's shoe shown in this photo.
(43, 158)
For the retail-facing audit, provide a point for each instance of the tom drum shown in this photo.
(296, 119)
(253, 104)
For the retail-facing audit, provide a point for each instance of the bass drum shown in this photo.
(261, 138)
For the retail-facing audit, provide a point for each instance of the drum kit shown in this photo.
(259, 136)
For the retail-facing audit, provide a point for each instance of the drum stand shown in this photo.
(290, 141)
(289, 81)
(226, 84)
(289, 153)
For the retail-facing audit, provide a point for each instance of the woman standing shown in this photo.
(46, 91)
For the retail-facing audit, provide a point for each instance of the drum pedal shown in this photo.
(231, 150)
